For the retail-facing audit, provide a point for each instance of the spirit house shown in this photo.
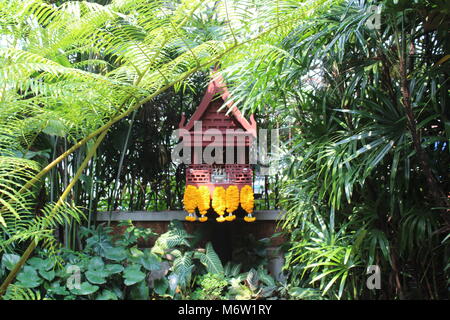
(219, 177)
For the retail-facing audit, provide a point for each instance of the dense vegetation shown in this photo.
(113, 268)
(90, 93)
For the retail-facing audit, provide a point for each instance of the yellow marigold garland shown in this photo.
(248, 202)
(203, 202)
(232, 201)
(222, 200)
(190, 201)
(218, 202)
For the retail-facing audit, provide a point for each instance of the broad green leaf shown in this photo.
(114, 268)
(265, 277)
(211, 260)
(150, 261)
(85, 289)
(160, 286)
(96, 263)
(57, 289)
(171, 239)
(133, 274)
(135, 255)
(41, 264)
(97, 276)
(107, 295)
(116, 254)
(9, 260)
(28, 278)
(182, 268)
(139, 291)
(47, 275)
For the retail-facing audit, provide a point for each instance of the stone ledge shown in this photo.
(261, 215)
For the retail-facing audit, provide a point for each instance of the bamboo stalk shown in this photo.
(122, 156)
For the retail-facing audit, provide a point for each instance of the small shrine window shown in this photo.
(219, 175)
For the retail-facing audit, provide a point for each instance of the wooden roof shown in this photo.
(217, 87)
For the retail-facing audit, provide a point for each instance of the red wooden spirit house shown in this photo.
(219, 176)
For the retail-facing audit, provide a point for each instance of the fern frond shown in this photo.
(15, 292)
(41, 226)
(14, 172)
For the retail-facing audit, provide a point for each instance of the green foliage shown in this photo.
(176, 236)
(179, 272)
(327, 257)
(256, 284)
(364, 116)
(210, 260)
(19, 293)
(210, 287)
(250, 251)
(105, 270)
(363, 113)
(72, 70)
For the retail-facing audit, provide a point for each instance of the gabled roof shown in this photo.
(217, 86)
